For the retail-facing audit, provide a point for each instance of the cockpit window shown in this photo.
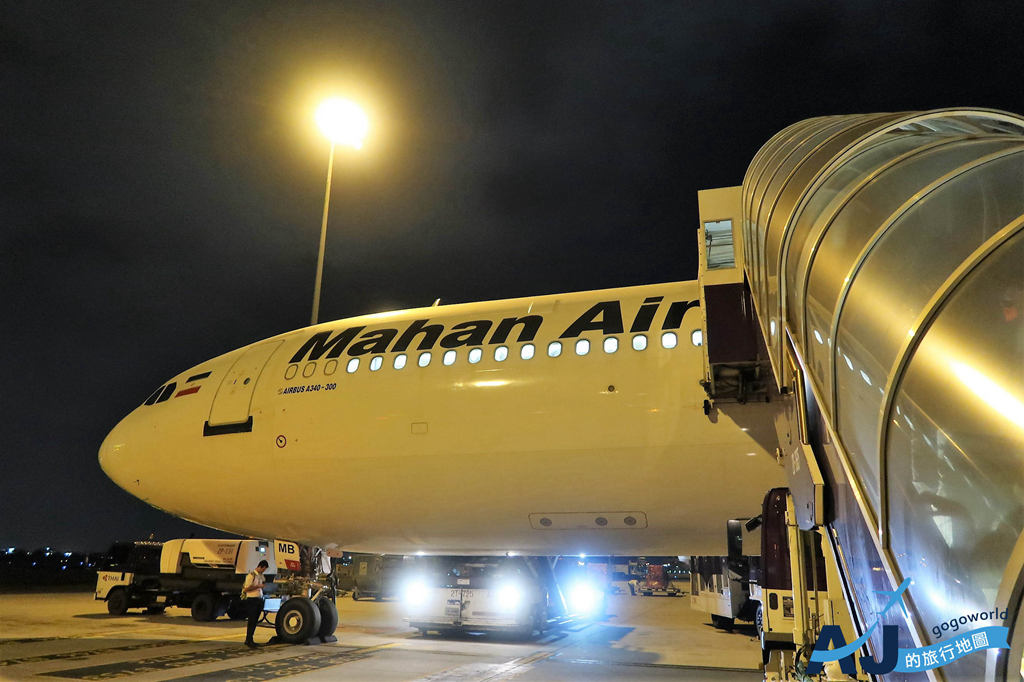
(168, 390)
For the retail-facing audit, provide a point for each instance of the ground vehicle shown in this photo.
(496, 594)
(207, 577)
(721, 585)
(374, 576)
(203, 575)
(656, 583)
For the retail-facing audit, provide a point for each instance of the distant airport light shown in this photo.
(343, 122)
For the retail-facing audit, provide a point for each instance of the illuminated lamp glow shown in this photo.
(342, 122)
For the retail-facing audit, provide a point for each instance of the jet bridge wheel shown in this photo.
(297, 621)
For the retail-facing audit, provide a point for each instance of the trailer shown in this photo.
(369, 576)
(656, 583)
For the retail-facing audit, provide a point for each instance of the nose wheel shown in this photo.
(298, 621)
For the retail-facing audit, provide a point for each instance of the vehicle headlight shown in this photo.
(415, 593)
(509, 597)
(584, 598)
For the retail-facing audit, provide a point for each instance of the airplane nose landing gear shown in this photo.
(309, 615)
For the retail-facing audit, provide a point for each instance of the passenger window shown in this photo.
(331, 367)
(352, 365)
(554, 349)
(288, 374)
(449, 358)
(582, 347)
(424, 359)
(400, 360)
(309, 369)
(669, 340)
(611, 344)
(500, 353)
(639, 342)
(697, 337)
(526, 352)
(376, 362)
(474, 355)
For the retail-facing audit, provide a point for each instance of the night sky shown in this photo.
(162, 180)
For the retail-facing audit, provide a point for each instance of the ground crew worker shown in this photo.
(252, 599)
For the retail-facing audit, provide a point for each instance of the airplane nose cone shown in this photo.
(112, 457)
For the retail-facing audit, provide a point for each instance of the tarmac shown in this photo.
(69, 636)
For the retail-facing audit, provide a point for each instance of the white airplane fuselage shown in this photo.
(604, 452)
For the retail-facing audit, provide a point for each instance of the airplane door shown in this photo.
(230, 410)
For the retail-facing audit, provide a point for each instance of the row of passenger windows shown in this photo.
(527, 351)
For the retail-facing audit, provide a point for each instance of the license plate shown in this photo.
(462, 581)
(161, 599)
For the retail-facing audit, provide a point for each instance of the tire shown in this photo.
(356, 594)
(117, 601)
(722, 623)
(328, 617)
(297, 621)
(236, 610)
(204, 607)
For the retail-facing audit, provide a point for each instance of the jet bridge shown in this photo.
(883, 255)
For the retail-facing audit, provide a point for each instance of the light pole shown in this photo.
(342, 122)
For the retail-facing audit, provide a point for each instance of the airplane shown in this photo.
(559, 424)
